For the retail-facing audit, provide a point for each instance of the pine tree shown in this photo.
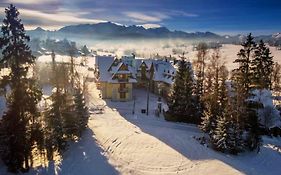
(176, 101)
(244, 79)
(262, 67)
(221, 137)
(209, 121)
(18, 123)
(60, 124)
(253, 139)
(191, 106)
(243, 72)
(182, 104)
(236, 142)
(81, 111)
(54, 134)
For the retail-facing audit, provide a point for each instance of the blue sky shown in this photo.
(220, 16)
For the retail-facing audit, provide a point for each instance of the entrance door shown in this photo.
(122, 91)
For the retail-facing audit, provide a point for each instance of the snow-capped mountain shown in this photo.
(112, 30)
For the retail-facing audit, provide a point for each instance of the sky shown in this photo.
(220, 16)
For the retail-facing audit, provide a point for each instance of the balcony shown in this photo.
(124, 90)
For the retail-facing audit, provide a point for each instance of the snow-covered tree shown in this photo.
(221, 137)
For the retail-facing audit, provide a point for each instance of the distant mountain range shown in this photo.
(109, 30)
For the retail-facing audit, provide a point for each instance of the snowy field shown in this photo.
(118, 142)
(167, 47)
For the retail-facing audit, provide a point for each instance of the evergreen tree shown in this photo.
(20, 121)
(253, 139)
(262, 67)
(228, 135)
(244, 79)
(60, 125)
(81, 111)
(222, 135)
(243, 72)
(54, 134)
(191, 106)
(176, 101)
(236, 142)
(209, 121)
(182, 105)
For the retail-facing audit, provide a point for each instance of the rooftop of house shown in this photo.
(164, 70)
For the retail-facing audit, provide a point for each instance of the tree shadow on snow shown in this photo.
(83, 157)
(178, 136)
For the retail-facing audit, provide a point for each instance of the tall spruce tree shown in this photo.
(243, 81)
(182, 105)
(243, 72)
(191, 105)
(176, 101)
(20, 121)
(262, 67)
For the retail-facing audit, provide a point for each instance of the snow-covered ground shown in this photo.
(167, 48)
(118, 142)
(140, 144)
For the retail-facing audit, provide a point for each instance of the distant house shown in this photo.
(117, 77)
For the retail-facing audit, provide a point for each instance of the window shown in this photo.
(122, 86)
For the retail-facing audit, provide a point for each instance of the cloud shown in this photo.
(54, 20)
(140, 17)
(182, 13)
(31, 1)
(53, 14)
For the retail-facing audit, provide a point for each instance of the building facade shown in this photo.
(118, 77)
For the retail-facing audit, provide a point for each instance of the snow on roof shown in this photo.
(164, 70)
(103, 63)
